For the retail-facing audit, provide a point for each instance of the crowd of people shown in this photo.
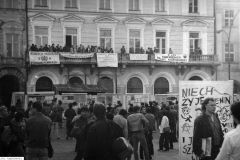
(72, 49)
(96, 126)
(93, 49)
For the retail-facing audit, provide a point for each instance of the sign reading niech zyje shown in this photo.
(191, 94)
(44, 57)
(107, 59)
(172, 57)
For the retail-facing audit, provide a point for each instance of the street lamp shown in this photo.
(228, 42)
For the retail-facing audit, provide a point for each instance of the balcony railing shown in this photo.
(84, 58)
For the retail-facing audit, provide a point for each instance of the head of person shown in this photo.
(3, 111)
(143, 110)
(136, 109)
(59, 102)
(148, 110)
(37, 107)
(18, 116)
(99, 110)
(123, 113)
(209, 106)
(84, 111)
(235, 110)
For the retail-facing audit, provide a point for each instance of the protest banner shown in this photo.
(177, 58)
(107, 59)
(191, 94)
(44, 58)
(138, 57)
(77, 55)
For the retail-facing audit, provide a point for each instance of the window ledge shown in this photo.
(36, 6)
(234, 62)
(73, 8)
(194, 13)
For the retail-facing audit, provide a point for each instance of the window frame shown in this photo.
(71, 4)
(194, 40)
(134, 38)
(160, 40)
(104, 5)
(134, 5)
(193, 7)
(72, 35)
(111, 37)
(160, 8)
(228, 54)
(41, 4)
(13, 44)
(41, 36)
(127, 88)
(228, 19)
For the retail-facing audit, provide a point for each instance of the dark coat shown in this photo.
(203, 129)
(99, 140)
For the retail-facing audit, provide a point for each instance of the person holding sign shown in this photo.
(207, 134)
(231, 144)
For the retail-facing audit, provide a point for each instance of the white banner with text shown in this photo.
(191, 95)
(107, 59)
(44, 57)
(172, 57)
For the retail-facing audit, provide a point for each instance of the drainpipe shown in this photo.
(26, 52)
(215, 35)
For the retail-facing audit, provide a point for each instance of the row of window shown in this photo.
(105, 39)
(134, 5)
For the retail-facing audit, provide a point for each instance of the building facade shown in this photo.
(12, 48)
(227, 33)
(183, 27)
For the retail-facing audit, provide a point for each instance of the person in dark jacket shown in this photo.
(207, 127)
(69, 114)
(101, 135)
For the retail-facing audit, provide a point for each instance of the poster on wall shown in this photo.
(138, 57)
(191, 94)
(107, 59)
(44, 58)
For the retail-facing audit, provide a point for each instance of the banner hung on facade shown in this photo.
(191, 94)
(77, 55)
(107, 59)
(178, 58)
(138, 57)
(44, 58)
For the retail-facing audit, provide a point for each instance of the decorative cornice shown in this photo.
(48, 17)
(105, 19)
(72, 18)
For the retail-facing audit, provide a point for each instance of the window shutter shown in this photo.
(185, 43)
(204, 43)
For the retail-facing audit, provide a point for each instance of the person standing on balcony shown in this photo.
(123, 50)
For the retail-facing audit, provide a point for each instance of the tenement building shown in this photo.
(12, 48)
(131, 48)
(227, 32)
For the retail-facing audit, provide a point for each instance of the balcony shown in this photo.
(133, 59)
(12, 61)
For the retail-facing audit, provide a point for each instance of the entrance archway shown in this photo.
(44, 84)
(8, 85)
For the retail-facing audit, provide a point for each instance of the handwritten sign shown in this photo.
(191, 94)
(44, 58)
(138, 57)
(107, 59)
(172, 57)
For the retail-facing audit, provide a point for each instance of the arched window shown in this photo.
(106, 83)
(44, 84)
(134, 85)
(75, 81)
(161, 86)
(195, 78)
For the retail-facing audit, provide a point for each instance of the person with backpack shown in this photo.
(101, 135)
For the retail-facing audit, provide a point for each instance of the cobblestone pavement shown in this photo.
(64, 149)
